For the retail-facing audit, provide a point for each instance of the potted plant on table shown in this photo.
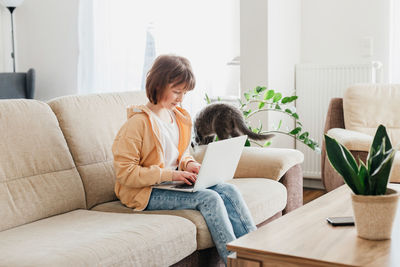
(374, 204)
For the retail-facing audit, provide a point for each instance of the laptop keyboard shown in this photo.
(184, 186)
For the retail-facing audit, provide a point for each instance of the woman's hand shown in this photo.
(187, 177)
(193, 167)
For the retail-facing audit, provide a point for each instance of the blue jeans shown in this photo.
(222, 207)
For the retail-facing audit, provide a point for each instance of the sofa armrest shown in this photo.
(334, 116)
(256, 162)
(334, 119)
(352, 140)
(271, 163)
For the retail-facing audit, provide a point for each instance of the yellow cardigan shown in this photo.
(139, 157)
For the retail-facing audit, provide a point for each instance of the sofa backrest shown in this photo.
(38, 177)
(365, 106)
(90, 124)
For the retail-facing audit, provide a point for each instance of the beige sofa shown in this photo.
(57, 203)
(353, 120)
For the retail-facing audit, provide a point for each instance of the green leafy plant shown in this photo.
(370, 178)
(272, 101)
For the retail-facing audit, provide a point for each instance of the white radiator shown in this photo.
(315, 85)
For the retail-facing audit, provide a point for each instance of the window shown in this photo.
(119, 40)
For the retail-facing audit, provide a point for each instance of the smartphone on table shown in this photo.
(341, 221)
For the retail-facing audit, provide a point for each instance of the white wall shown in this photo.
(270, 47)
(338, 31)
(253, 43)
(47, 37)
(2, 41)
(5, 40)
(254, 49)
(233, 84)
(284, 39)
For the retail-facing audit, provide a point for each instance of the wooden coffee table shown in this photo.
(304, 238)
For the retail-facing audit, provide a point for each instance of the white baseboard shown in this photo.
(313, 183)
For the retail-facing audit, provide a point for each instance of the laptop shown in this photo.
(219, 165)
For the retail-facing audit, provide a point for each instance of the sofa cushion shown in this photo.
(365, 106)
(352, 140)
(203, 236)
(89, 124)
(277, 161)
(38, 177)
(89, 238)
(264, 198)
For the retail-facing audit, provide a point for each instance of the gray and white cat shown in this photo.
(223, 120)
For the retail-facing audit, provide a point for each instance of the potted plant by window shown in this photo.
(374, 204)
(262, 100)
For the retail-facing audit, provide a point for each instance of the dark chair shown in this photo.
(17, 84)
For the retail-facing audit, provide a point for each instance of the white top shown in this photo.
(169, 132)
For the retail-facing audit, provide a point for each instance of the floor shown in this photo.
(311, 194)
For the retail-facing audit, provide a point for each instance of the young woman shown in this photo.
(152, 147)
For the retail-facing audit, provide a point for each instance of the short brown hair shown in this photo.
(168, 69)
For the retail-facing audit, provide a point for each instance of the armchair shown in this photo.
(17, 84)
(353, 120)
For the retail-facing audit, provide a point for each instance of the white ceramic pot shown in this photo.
(374, 215)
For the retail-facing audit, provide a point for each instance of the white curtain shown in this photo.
(394, 58)
(118, 39)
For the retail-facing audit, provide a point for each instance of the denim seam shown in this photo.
(210, 215)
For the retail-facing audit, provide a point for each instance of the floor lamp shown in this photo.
(11, 5)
